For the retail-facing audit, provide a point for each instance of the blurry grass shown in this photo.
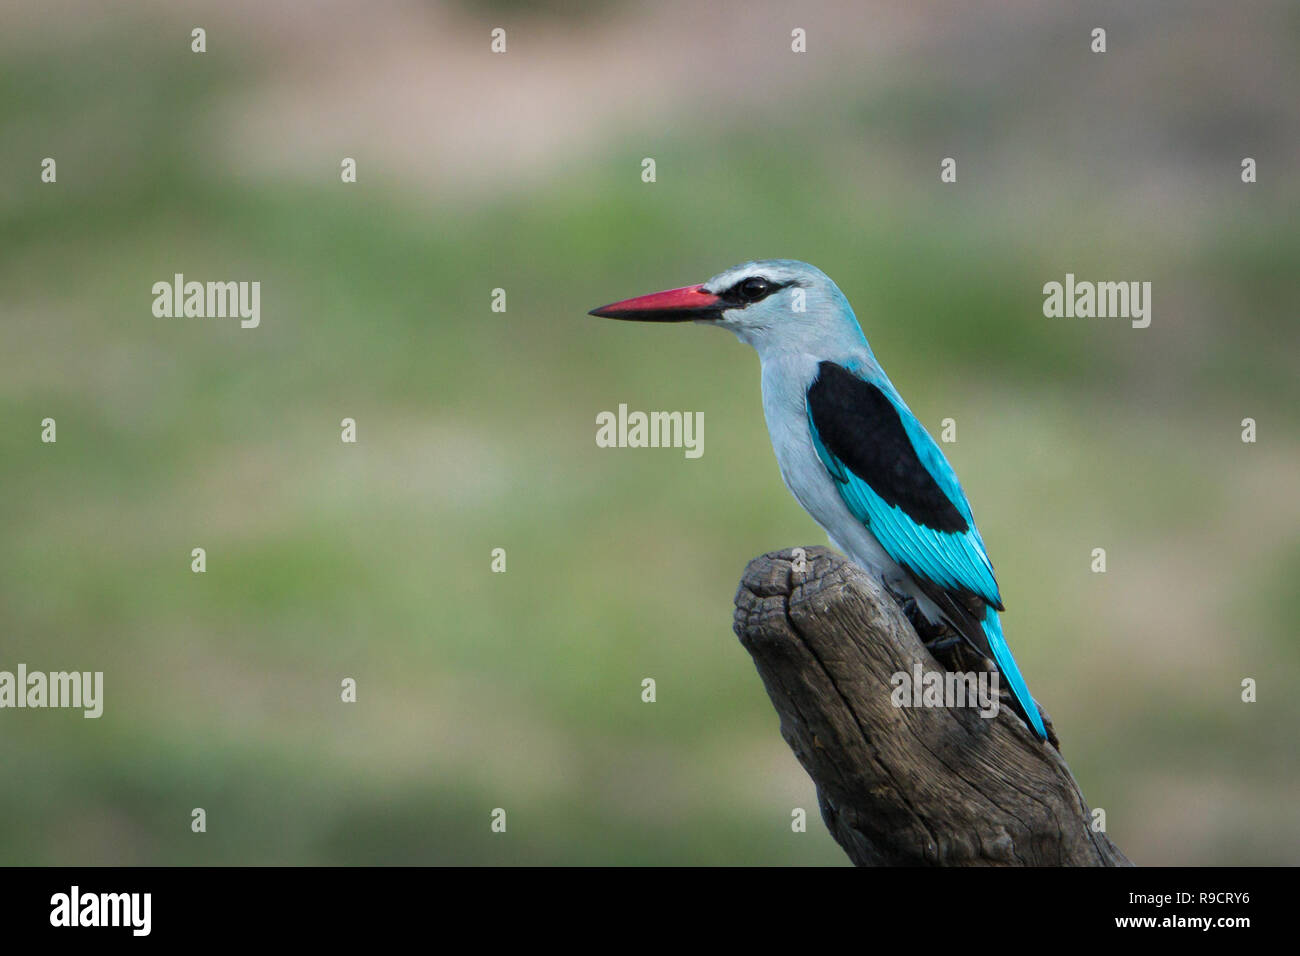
(522, 690)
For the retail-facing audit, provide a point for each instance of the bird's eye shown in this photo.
(754, 288)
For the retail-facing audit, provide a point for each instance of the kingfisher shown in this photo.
(850, 450)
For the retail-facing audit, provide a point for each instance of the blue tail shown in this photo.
(1007, 665)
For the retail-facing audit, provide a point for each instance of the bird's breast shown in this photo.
(785, 395)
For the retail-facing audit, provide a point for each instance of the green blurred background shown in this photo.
(476, 429)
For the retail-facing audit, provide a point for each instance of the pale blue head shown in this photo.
(775, 305)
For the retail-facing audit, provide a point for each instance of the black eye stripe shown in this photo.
(738, 294)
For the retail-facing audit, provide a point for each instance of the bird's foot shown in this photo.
(907, 604)
(943, 643)
(899, 596)
(928, 631)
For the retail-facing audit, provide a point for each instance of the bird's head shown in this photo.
(771, 304)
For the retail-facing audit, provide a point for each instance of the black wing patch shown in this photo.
(860, 426)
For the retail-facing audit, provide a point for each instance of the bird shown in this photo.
(849, 449)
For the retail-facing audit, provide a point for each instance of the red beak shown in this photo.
(675, 305)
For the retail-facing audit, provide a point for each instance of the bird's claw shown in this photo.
(940, 644)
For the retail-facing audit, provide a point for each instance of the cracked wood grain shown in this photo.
(901, 786)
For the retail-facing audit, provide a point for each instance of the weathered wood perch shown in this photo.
(901, 786)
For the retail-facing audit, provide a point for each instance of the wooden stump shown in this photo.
(901, 786)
